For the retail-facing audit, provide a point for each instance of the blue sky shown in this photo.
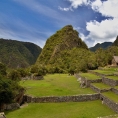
(36, 20)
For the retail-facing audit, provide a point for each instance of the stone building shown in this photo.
(115, 61)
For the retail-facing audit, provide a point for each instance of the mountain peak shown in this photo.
(64, 39)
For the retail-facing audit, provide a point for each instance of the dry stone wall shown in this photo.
(75, 98)
(99, 90)
(115, 90)
(109, 81)
(111, 104)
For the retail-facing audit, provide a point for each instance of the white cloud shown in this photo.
(106, 8)
(65, 9)
(76, 3)
(106, 30)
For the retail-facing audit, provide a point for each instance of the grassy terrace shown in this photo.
(89, 76)
(112, 96)
(112, 77)
(106, 72)
(116, 87)
(91, 109)
(101, 86)
(55, 85)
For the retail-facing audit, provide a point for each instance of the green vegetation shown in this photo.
(18, 54)
(116, 87)
(105, 72)
(91, 109)
(89, 76)
(101, 86)
(66, 52)
(111, 96)
(54, 85)
(112, 77)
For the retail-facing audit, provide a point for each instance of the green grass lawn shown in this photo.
(89, 76)
(111, 96)
(55, 85)
(91, 109)
(106, 72)
(116, 87)
(101, 86)
(112, 77)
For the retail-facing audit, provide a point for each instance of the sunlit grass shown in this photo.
(89, 76)
(91, 109)
(55, 85)
(112, 77)
(106, 72)
(111, 96)
(101, 86)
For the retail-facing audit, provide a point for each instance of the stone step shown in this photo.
(100, 87)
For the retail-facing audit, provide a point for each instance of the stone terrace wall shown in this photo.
(99, 90)
(109, 81)
(75, 98)
(88, 82)
(111, 104)
(115, 90)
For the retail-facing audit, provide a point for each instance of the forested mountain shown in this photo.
(115, 43)
(65, 51)
(104, 45)
(18, 54)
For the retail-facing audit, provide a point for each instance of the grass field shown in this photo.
(111, 96)
(55, 85)
(106, 72)
(91, 109)
(101, 86)
(89, 76)
(112, 77)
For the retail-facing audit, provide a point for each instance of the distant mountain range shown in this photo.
(18, 54)
(104, 45)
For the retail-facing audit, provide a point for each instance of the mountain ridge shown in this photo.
(15, 53)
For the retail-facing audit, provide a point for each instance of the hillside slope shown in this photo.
(64, 51)
(18, 54)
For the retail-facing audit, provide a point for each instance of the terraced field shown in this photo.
(61, 85)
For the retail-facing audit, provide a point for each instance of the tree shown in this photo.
(8, 90)
(2, 69)
(14, 75)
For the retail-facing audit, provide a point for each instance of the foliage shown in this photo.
(8, 90)
(14, 75)
(16, 54)
(2, 69)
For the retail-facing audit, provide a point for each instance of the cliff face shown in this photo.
(65, 39)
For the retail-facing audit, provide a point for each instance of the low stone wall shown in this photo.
(88, 82)
(12, 106)
(109, 81)
(53, 99)
(111, 104)
(115, 90)
(99, 90)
